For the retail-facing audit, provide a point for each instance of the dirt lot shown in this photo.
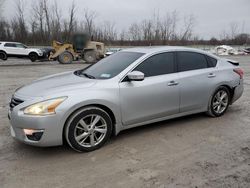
(194, 151)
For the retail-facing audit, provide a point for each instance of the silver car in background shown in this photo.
(132, 87)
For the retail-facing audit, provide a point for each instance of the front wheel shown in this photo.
(33, 57)
(88, 129)
(219, 102)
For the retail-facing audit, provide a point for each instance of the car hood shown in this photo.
(54, 84)
(34, 49)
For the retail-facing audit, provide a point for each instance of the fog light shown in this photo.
(32, 134)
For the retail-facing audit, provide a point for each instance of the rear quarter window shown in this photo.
(212, 61)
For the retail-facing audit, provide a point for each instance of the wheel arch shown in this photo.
(102, 107)
(33, 52)
(231, 91)
(3, 51)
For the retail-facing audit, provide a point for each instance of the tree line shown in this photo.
(46, 23)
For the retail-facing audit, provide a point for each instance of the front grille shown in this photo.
(14, 102)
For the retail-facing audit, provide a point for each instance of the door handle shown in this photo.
(211, 75)
(173, 83)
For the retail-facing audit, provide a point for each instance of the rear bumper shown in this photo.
(238, 91)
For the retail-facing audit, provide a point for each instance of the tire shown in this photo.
(65, 58)
(90, 56)
(3, 56)
(219, 102)
(88, 129)
(33, 57)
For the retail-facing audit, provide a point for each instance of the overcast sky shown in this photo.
(212, 16)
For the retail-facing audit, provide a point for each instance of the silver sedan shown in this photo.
(130, 88)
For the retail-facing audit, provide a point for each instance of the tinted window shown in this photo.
(157, 65)
(10, 45)
(191, 61)
(212, 61)
(20, 46)
(111, 65)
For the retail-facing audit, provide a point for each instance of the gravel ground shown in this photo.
(193, 151)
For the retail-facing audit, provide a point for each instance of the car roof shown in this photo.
(153, 49)
(158, 49)
(3, 42)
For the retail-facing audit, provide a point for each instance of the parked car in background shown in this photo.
(247, 50)
(15, 49)
(111, 51)
(130, 88)
(225, 50)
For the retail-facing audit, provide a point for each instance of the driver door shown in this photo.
(21, 50)
(157, 96)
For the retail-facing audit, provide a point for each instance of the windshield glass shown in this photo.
(110, 66)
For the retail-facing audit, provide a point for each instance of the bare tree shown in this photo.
(56, 22)
(72, 21)
(109, 31)
(187, 30)
(147, 30)
(89, 18)
(135, 32)
(38, 19)
(168, 27)
(234, 30)
(18, 23)
(47, 17)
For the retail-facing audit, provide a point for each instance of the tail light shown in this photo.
(239, 72)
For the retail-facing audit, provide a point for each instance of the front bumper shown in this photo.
(50, 126)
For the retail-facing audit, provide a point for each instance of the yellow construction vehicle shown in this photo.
(81, 48)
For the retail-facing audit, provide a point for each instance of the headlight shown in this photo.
(44, 108)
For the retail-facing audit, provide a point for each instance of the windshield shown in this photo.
(110, 66)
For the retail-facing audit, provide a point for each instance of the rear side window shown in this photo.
(10, 45)
(191, 61)
(212, 61)
(157, 65)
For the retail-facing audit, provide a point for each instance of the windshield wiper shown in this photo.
(88, 76)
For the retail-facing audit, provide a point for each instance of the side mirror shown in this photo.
(135, 76)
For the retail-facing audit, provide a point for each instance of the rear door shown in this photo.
(197, 78)
(156, 96)
(10, 48)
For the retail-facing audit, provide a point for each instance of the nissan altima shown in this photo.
(132, 87)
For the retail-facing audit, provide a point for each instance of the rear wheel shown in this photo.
(33, 57)
(90, 56)
(219, 102)
(3, 56)
(65, 58)
(88, 129)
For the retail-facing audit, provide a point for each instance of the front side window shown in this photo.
(191, 61)
(20, 46)
(110, 66)
(156, 65)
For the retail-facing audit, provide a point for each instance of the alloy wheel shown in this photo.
(220, 101)
(90, 130)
